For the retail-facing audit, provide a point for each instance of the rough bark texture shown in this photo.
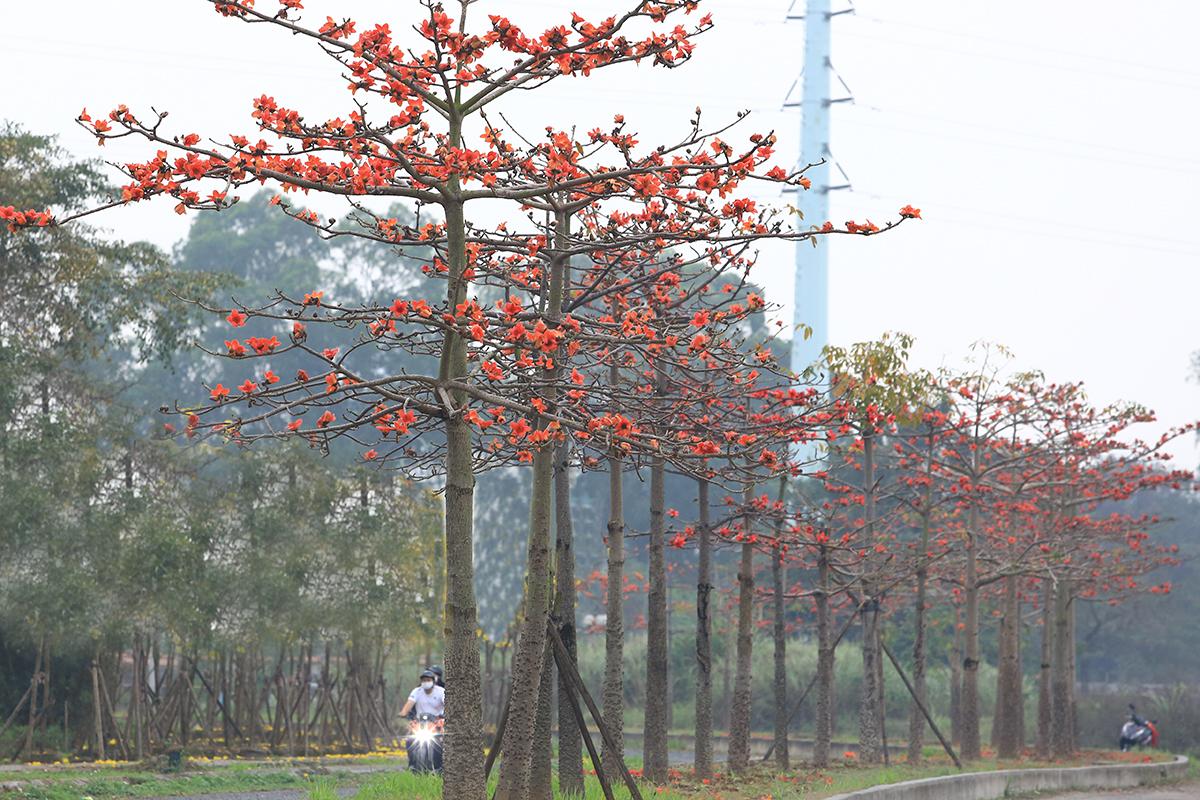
(614, 645)
(570, 743)
(779, 635)
(869, 741)
(654, 746)
(1044, 718)
(464, 706)
(739, 713)
(531, 647)
(823, 733)
(1008, 722)
(916, 720)
(1062, 734)
(869, 707)
(956, 658)
(970, 749)
(704, 717)
(540, 759)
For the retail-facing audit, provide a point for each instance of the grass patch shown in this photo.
(109, 783)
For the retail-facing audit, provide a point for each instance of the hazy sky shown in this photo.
(1051, 147)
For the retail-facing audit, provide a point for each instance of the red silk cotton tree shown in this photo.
(419, 131)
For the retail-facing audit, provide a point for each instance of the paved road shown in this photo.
(1189, 791)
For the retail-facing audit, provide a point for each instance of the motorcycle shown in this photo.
(424, 744)
(1137, 732)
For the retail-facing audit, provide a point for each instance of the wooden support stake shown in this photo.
(567, 666)
(811, 683)
(932, 725)
(500, 726)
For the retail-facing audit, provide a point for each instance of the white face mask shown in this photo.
(427, 685)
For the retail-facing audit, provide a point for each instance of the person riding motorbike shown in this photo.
(426, 708)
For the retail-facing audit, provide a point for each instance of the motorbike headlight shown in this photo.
(424, 736)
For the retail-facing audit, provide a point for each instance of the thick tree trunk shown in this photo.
(970, 749)
(1044, 713)
(823, 733)
(704, 711)
(614, 635)
(869, 741)
(464, 706)
(542, 754)
(956, 653)
(570, 742)
(916, 720)
(1008, 720)
(779, 635)
(654, 745)
(531, 646)
(739, 714)
(869, 707)
(1062, 727)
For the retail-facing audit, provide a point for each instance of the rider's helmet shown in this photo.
(428, 673)
(439, 677)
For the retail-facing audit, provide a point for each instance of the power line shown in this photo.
(1028, 46)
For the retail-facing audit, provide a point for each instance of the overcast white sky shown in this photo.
(1051, 147)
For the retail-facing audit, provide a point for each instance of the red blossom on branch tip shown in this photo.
(908, 212)
(236, 318)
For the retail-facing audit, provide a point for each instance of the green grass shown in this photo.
(111, 783)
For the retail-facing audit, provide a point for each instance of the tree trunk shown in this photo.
(464, 706)
(654, 752)
(739, 714)
(614, 634)
(542, 755)
(1008, 719)
(970, 750)
(97, 709)
(868, 708)
(823, 733)
(916, 720)
(531, 646)
(704, 718)
(779, 634)
(1062, 733)
(570, 742)
(956, 654)
(1044, 713)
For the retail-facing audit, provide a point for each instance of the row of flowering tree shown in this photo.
(596, 313)
(586, 325)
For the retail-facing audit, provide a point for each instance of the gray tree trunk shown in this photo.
(779, 635)
(540, 787)
(956, 659)
(464, 706)
(971, 745)
(1062, 727)
(1008, 721)
(614, 636)
(570, 743)
(531, 646)
(916, 720)
(823, 734)
(739, 714)
(869, 734)
(654, 746)
(1044, 714)
(704, 713)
